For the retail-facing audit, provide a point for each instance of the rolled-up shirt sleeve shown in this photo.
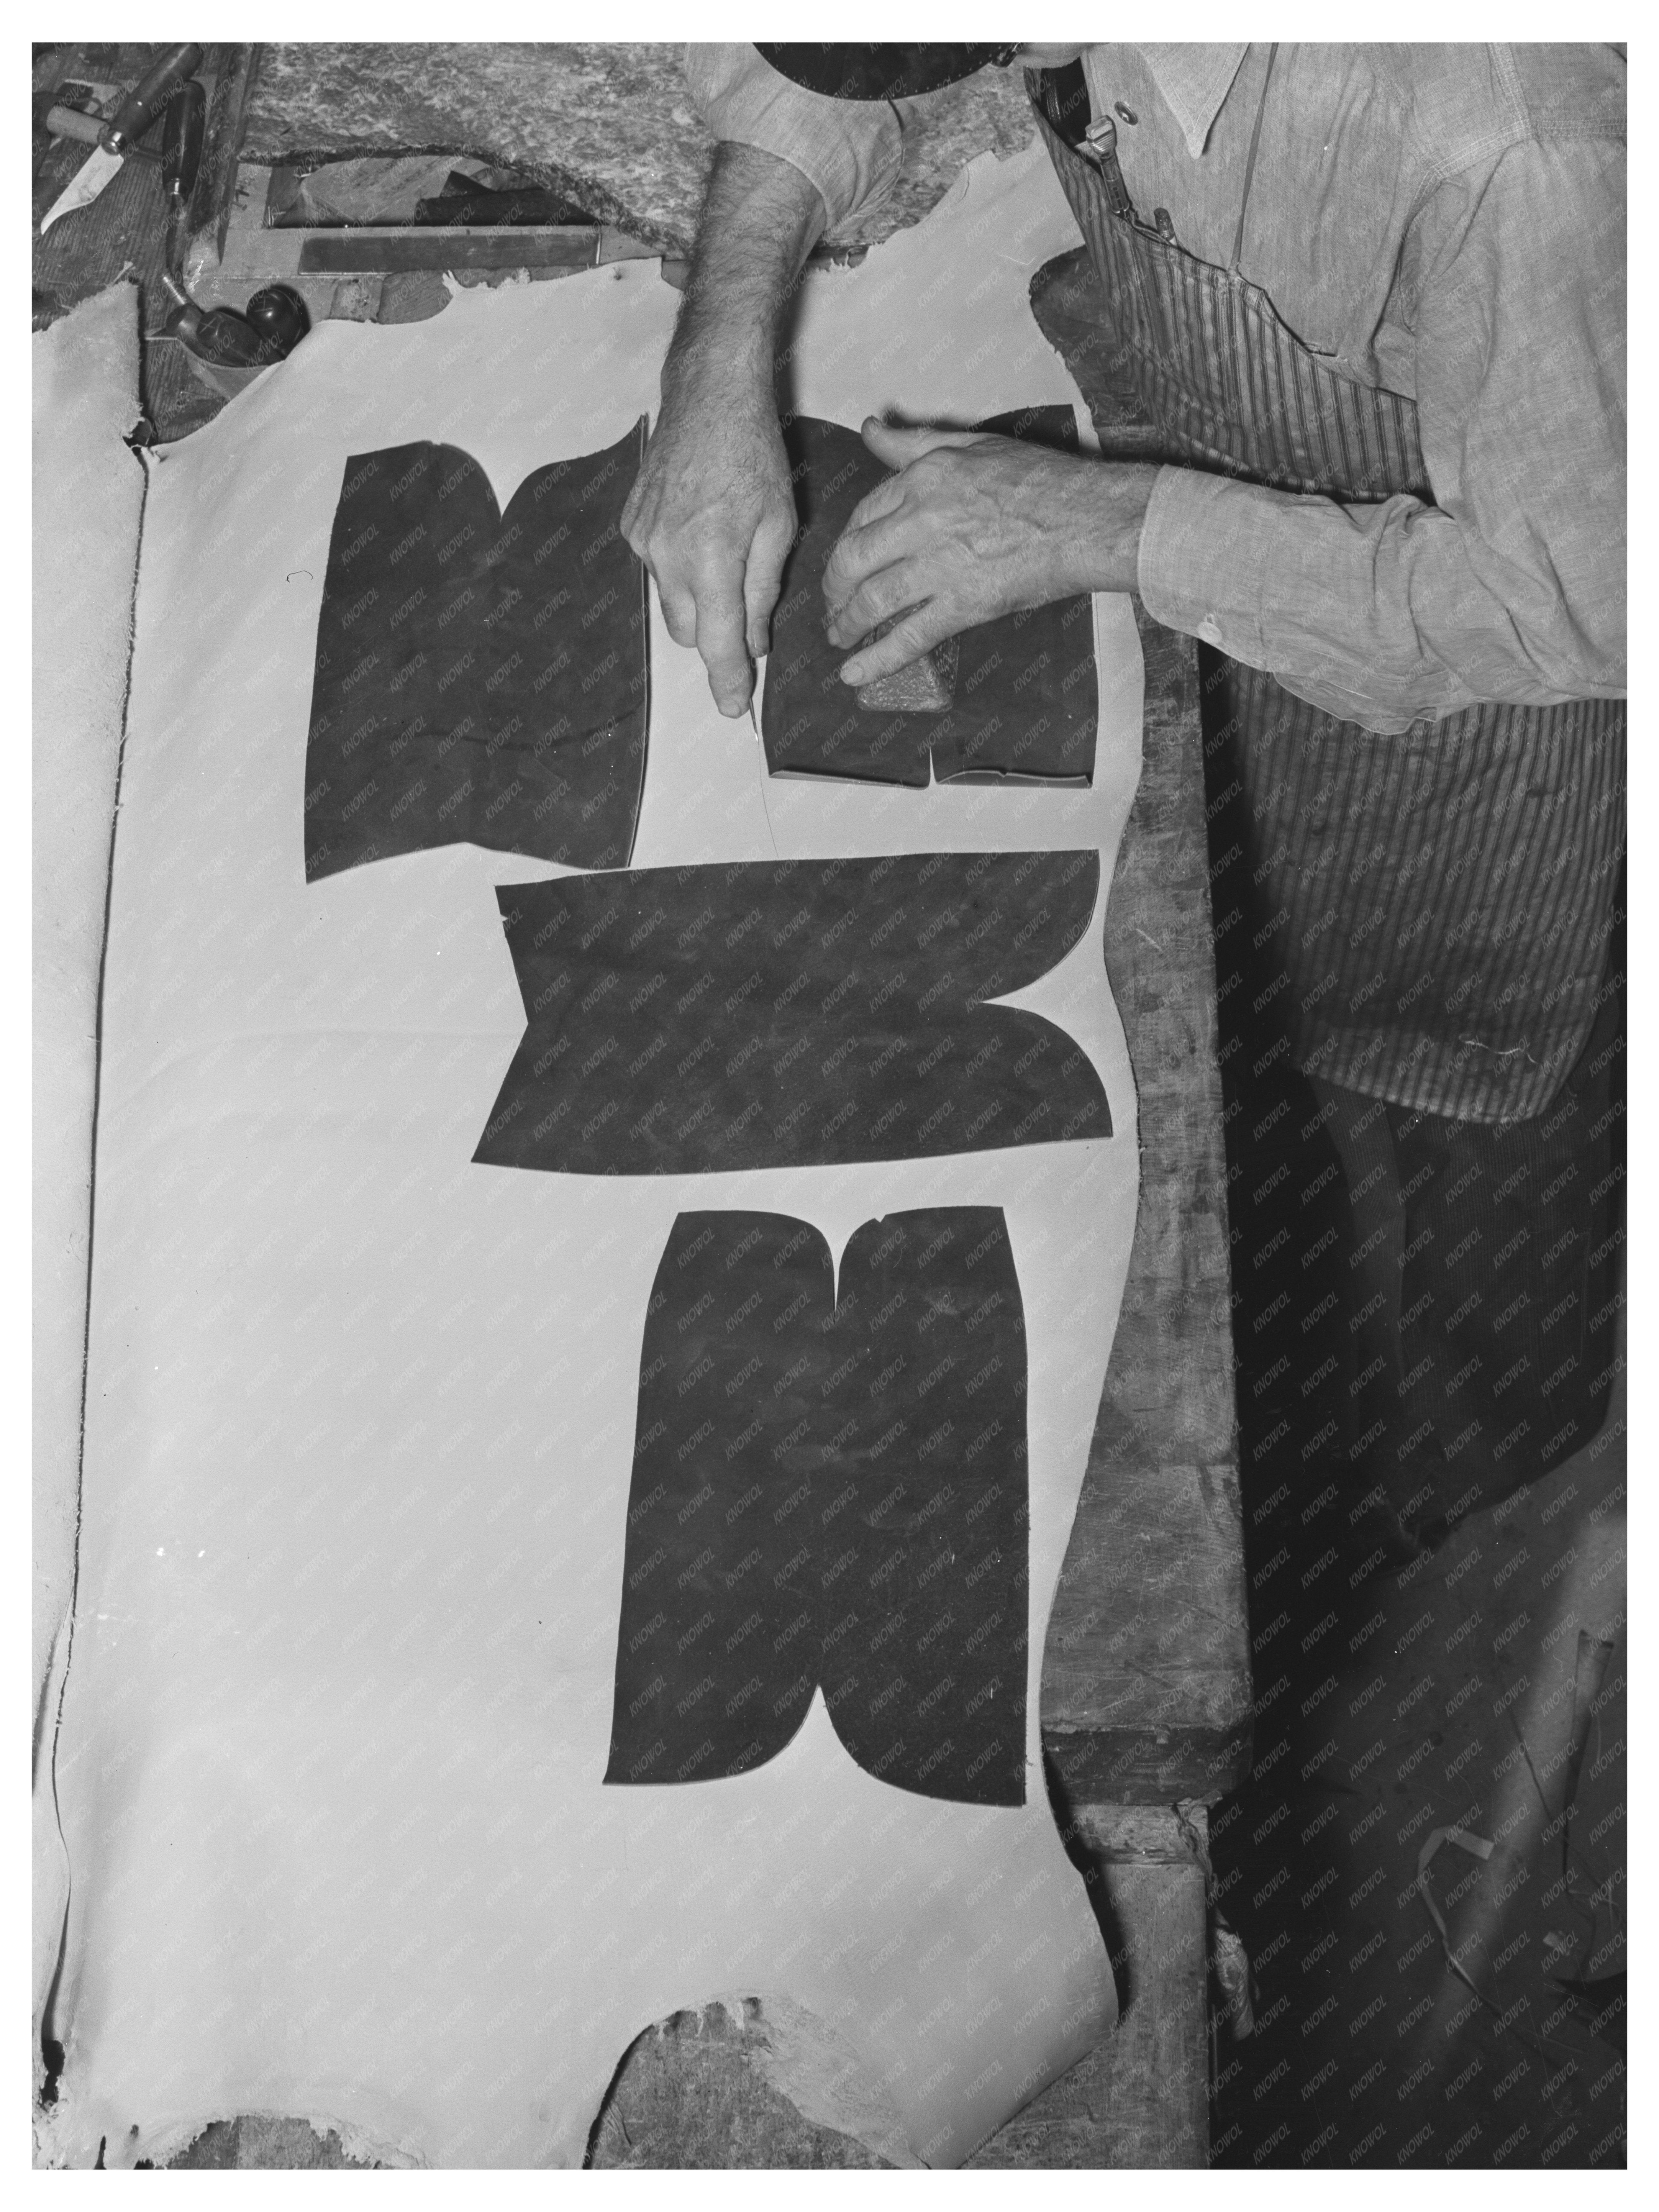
(1511, 585)
(851, 150)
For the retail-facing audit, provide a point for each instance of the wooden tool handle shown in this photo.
(148, 96)
(70, 123)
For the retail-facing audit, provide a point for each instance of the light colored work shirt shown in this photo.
(1444, 221)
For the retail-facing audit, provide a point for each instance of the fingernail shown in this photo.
(853, 672)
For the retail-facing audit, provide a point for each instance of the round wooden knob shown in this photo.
(278, 314)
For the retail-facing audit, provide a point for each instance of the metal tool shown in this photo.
(273, 324)
(115, 138)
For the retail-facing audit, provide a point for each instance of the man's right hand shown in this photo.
(712, 515)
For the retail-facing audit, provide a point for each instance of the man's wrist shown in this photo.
(729, 355)
(1108, 519)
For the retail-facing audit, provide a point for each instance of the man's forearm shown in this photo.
(761, 219)
(712, 513)
(1382, 614)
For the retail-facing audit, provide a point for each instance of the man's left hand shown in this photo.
(971, 527)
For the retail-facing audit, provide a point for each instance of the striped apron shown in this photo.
(1441, 899)
(1424, 920)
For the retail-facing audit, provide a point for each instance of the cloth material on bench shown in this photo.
(89, 496)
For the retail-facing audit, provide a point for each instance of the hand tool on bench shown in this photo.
(115, 138)
(273, 324)
(276, 318)
(86, 126)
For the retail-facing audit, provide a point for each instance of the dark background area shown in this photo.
(1388, 1705)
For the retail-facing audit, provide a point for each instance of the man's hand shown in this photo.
(971, 527)
(712, 515)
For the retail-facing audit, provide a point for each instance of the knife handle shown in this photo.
(181, 139)
(148, 97)
(70, 123)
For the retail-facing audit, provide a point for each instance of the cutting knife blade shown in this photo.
(83, 187)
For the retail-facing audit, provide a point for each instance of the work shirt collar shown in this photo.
(1193, 80)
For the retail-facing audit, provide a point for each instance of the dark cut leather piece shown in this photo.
(829, 1489)
(481, 678)
(718, 1639)
(1025, 704)
(923, 1596)
(779, 1013)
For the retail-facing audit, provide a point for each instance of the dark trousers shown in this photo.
(1423, 1309)
(1487, 1266)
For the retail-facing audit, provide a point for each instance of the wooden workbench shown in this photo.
(1145, 1679)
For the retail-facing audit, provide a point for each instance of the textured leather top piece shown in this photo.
(780, 1013)
(481, 677)
(829, 1487)
(1024, 703)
